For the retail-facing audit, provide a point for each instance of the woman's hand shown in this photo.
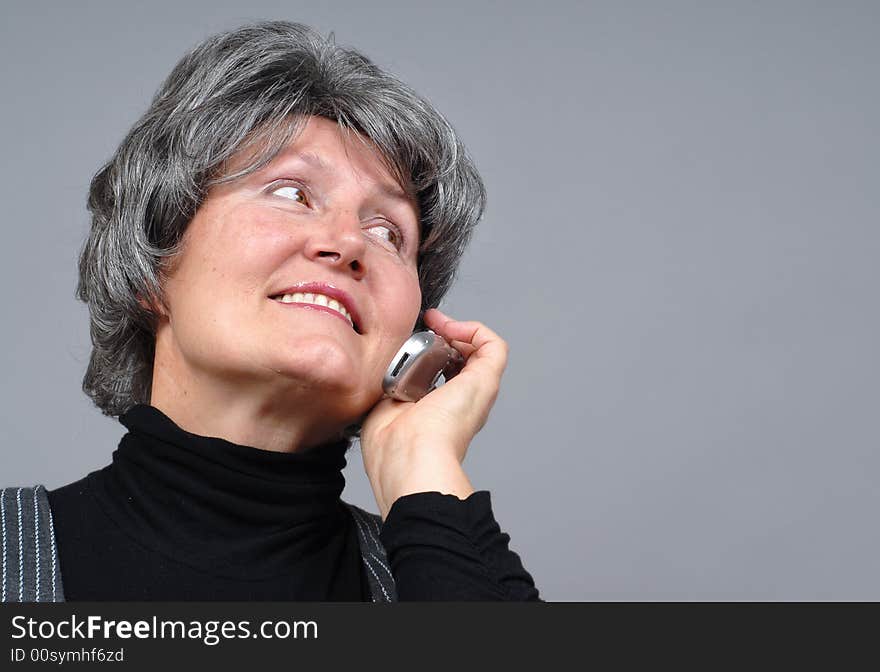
(419, 447)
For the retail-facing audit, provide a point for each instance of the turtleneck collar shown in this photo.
(222, 507)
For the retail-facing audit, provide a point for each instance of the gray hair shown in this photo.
(250, 89)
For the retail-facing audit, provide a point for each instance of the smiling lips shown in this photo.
(322, 296)
(319, 302)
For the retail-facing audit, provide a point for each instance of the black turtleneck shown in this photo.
(177, 516)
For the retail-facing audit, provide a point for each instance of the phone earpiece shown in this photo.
(418, 365)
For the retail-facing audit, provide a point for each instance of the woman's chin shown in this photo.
(336, 376)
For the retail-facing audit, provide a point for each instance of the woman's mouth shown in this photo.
(319, 302)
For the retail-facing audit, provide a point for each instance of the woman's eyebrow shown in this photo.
(392, 191)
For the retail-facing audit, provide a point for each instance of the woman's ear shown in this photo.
(152, 305)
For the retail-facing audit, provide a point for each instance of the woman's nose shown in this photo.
(340, 241)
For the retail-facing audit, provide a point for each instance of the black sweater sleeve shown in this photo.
(443, 548)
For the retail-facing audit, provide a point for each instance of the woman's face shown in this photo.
(323, 211)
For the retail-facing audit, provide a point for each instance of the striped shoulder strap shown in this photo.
(373, 554)
(30, 557)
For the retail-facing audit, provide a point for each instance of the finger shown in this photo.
(435, 320)
(466, 349)
(473, 333)
(489, 348)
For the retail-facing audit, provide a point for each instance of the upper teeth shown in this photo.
(318, 299)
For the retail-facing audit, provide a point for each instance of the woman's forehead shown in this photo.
(323, 145)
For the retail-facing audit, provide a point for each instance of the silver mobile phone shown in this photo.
(418, 365)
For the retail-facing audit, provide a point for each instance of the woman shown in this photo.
(263, 241)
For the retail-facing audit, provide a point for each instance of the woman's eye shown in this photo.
(288, 191)
(392, 235)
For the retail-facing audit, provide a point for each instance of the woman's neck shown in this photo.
(275, 414)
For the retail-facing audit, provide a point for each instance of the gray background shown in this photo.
(680, 247)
